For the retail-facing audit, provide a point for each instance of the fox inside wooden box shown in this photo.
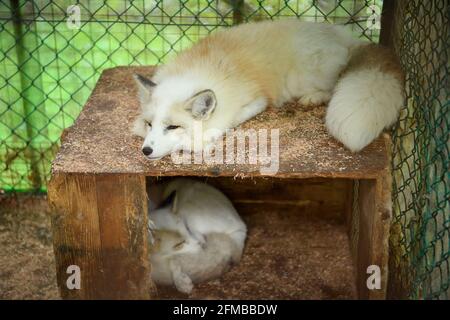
(250, 238)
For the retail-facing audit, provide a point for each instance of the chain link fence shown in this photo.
(420, 235)
(52, 53)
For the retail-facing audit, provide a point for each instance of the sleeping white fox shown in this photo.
(232, 75)
(197, 235)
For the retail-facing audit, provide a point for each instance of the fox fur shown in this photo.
(232, 75)
(367, 97)
(196, 237)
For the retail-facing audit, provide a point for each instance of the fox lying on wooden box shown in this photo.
(232, 75)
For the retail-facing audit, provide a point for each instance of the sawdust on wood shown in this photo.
(101, 140)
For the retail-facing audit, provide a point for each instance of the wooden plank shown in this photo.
(99, 224)
(101, 142)
(349, 206)
(373, 233)
(381, 230)
(366, 215)
(316, 196)
(122, 209)
(387, 20)
(76, 232)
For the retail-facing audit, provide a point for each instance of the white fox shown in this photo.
(197, 235)
(233, 75)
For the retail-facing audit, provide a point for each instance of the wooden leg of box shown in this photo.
(375, 211)
(99, 224)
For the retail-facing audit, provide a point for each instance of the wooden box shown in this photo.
(322, 219)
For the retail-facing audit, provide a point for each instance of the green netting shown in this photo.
(420, 235)
(48, 70)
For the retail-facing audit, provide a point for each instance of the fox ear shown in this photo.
(172, 201)
(145, 86)
(202, 104)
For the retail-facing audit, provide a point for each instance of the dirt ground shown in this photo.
(27, 266)
(288, 255)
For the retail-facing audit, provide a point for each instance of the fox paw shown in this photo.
(200, 239)
(316, 98)
(183, 283)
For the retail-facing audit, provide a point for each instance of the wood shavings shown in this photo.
(101, 141)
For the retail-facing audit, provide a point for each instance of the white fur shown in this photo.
(193, 265)
(211, 230)
(364, 103)
(247, 67)
(253, 65)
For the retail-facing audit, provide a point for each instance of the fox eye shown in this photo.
(179, 245)
(148, 123)
(172, 127)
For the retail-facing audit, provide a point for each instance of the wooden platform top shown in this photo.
(100, 141)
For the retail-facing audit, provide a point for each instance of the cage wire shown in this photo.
(52, 53)
(420, 240)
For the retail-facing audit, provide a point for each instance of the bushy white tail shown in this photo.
(366, 100)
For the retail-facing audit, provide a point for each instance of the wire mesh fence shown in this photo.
(420, 235)
(52, 53)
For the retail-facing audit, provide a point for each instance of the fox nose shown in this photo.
(147, 151)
